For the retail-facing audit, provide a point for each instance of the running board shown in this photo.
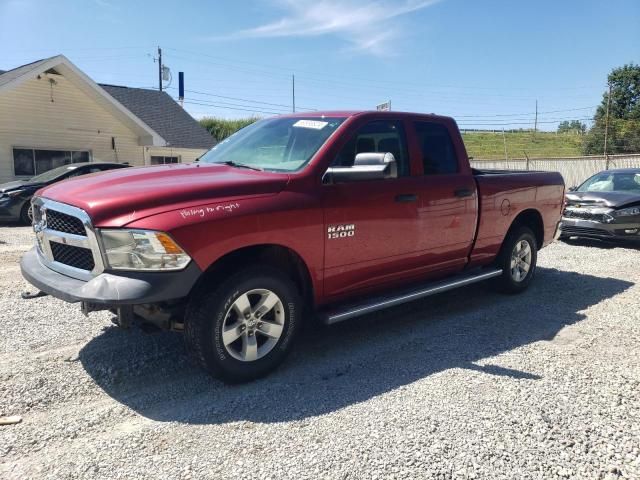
(380, 303)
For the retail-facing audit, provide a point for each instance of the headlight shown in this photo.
(11, 194)
(142, 250)
(627, 212)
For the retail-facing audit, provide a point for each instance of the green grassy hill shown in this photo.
(482, 145)
(490, 145)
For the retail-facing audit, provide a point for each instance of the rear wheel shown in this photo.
(26, 213)
(518, 259)
(244, 327)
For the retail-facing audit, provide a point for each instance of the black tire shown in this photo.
(507, 283)
(205, 318)
(24, 213)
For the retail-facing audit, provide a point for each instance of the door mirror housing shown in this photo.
(573, 189)
(367, 166)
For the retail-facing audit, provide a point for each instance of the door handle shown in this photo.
(406, 197)
(463, 192)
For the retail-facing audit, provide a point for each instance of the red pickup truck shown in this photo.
(328, 215)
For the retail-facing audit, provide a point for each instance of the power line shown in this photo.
(277, 110)
(530, 120)
(189, 102)
(324, 74)
(518, 123)
(324, 79)
(323, 83)
(208, 94)
(530, 113)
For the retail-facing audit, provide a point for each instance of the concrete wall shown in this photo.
(574, 170)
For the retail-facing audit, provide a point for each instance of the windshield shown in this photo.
(52, 174)
(612, 182)
(276, 144)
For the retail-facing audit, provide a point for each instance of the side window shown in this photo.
(32, 161)
(379, 136)
(438, 154)
(159, 160)
(77, 172)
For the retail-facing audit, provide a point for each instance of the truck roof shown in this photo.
(353, 113)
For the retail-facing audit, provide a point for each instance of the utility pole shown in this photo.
(293, 92)
(160, 68)
(504, 140)
(606, 128)
(535, 127)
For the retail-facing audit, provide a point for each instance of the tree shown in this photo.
(624, 114)
(221, 128)
(573, 126)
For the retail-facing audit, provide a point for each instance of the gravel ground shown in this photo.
(469, 384)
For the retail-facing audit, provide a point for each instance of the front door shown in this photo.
(371, 228)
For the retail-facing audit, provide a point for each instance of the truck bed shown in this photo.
(503, 195)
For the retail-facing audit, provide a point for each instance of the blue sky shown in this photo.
(483, 62)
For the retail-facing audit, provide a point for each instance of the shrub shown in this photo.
(221, 128)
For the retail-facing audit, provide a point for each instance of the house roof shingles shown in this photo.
(157, 109)
(164, 115)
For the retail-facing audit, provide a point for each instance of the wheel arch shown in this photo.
(529, 218)
(278, 256)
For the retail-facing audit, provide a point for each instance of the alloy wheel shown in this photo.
(253, 325)
(521, 260)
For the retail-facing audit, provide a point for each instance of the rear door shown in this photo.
(448, 196)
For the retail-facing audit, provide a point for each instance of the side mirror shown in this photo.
(573, 189)
(367, 166)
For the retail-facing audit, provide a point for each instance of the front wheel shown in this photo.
(518, 259)
(244, 327)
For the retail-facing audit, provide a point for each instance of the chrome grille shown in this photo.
(76, 257)
(61, 222)
(65, 239)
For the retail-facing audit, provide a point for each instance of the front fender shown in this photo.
(209, 232)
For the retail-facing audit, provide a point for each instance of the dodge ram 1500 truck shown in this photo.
(326, 215)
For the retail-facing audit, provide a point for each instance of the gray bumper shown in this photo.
(126, 288)
(571, 227)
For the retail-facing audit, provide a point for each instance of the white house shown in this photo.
(51, 113)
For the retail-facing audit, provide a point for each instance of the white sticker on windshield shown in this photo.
(315, 124)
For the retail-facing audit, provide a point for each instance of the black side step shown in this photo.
(425, 290)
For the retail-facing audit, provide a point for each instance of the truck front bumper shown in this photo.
(110, 288)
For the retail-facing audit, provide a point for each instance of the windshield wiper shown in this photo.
(231, 163)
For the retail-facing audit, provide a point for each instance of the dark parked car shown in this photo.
(15, 197)
(605, 207)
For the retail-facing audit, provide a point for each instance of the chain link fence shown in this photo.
(574, 170)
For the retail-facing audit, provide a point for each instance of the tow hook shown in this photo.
(27, 295)
(86, 308)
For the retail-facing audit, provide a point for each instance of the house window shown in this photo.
(159, 160)
(28, 162)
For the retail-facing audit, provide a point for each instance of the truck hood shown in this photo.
(603, 199)
(121, 196)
